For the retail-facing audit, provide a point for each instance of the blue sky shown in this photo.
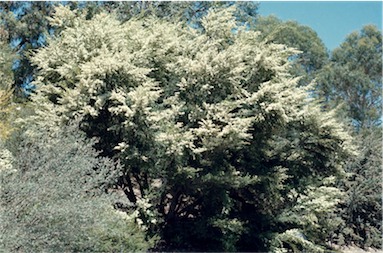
(333, 21)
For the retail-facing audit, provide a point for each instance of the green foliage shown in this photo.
(189, 13)
(363, 206)
(26, 24)
(313, 54)
(6, 92)
(27, 27)
(5, 110)
(316, 212)
(7, 56)
(211, 130)
(6, 159)
(231, 230)
(293, 240)
(219, 148)
(354, 77)
(353, 82)
(53, 198)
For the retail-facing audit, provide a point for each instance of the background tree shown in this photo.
(27, 27)
(190, 13)
(313, 53)
(353, 79)
(220, 147)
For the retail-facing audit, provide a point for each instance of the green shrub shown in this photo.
(53, 199)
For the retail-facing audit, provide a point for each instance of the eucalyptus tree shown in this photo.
(27, 26)
(354, 77)
(313, 53)
(352, 80)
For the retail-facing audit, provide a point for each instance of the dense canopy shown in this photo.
(197, 138)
